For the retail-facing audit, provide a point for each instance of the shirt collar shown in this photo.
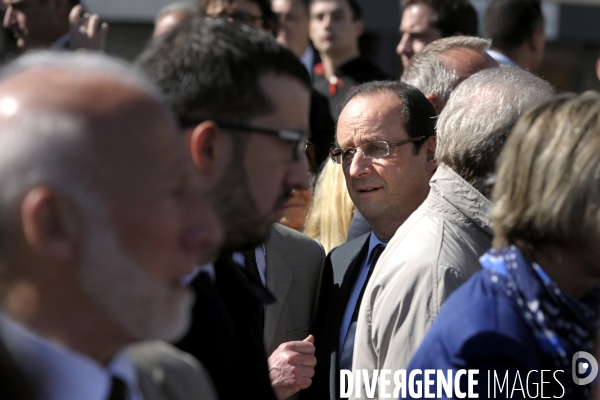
(464, 197)
(501, 58)
(374, 242)
(61, 373)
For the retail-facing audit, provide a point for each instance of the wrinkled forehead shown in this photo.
(370, 117)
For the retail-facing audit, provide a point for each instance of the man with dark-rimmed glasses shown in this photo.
(385, 144)
(243, 102)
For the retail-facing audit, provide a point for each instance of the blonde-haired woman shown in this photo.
(329, 218)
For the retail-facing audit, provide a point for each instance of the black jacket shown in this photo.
(225, 334)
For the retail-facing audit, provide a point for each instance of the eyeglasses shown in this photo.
(377, 149)
(239, 16)
(299, 138)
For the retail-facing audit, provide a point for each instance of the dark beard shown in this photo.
(245, 228)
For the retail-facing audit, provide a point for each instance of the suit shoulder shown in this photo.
(297, 238)
(162, 367)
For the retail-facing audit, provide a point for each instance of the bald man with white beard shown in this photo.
(101, 219)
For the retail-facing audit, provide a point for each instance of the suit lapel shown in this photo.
(279, 280)
(353, 258)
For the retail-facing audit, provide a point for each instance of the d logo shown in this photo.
(582, 367)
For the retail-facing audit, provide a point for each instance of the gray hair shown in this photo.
(41, 146)
(427, 71)
(475, 123)
(186, 9)
(83, 63)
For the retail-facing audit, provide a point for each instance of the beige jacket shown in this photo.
(432, 253)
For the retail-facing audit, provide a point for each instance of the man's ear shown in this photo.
(209, 148)
(50, 224)
(437, 103)
(598, 68)
(537, 40)
(359, 27)
(429, 148)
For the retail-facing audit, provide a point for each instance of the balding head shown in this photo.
(97, 188)
(444, 63)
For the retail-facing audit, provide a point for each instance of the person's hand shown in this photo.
(292, 366)
(84, 32)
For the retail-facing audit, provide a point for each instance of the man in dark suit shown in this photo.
(243, 103)
(387, 169)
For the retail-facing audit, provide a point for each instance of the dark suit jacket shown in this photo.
(225, 334)
(341, 270)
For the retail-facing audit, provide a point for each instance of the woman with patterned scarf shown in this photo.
(521, 320)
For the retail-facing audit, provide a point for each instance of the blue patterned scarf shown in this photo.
(561, 324)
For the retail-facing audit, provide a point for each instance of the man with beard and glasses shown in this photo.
(243, 103)
(101, 220)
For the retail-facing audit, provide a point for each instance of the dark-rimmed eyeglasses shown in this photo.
(376, 149)
(299, 138)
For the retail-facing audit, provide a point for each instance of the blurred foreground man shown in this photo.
(54, 25)
(243, 101)
(101, 219)
(386, 146)
(437, 249)
(424, 21)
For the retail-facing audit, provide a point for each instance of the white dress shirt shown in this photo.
(308, 60)
(358, 285)
(63, 374)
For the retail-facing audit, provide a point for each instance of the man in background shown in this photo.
(171, 15)
(424, 21)
(516, 29)
(335, 26)
(444, 63)
(54, 25)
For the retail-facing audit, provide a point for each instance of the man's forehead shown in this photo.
(329, 5)
(417, 17)
(371, 117)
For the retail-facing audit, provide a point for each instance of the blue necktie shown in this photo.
(348, 346)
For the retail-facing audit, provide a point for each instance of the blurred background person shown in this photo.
(255, 13)
(54, 25)
(444, 64)
(516, 29)
(293, 30)
(537, 297)
(330, 215)
(424, 21)
(171, 15)
(293, 33)
(296, 209)
(335, 26)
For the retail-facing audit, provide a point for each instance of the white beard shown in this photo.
(144, 307)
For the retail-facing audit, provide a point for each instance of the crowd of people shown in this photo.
(254, 209)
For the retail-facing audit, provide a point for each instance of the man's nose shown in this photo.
(297, 177)
(360, 165)
(405, 46)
